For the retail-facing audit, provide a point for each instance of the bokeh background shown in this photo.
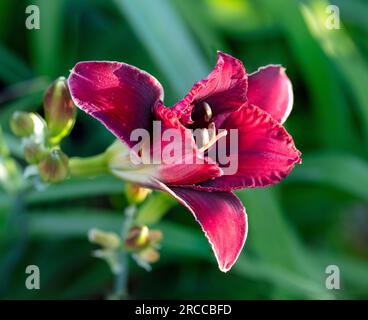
(316, 217)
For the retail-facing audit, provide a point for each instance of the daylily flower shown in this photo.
(125, 98)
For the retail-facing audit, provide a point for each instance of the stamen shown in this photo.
(210, 133)
(205, 137)
(212, 130)
(207, 111)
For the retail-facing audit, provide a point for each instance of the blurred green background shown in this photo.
(316, 217)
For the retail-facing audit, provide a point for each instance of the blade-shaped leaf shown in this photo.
(345, 172)
(159, 27)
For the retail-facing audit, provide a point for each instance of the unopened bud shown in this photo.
(135, 193)
(137, 237)
(21, 123)
(60, 111)
(149, 255)
(155, 237)
(34, 151)
(54, 167)
(108, 240)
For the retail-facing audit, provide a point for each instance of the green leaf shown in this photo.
(339, 47)
(77, 188)
(6, 16)
(277, 245)
(345, 172)
(321, 81)
(47, 42)
(271, 236)
(354, 11)
(240, 18)
(353, 271)
(159, 27)
(29, 100)
(72, 222)
(90, 281)
(12, 68)
(5, 202)
(202, 26)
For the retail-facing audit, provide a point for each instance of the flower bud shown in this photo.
(138, 237)
(108, 240)
(135, 193)
(149, 255)
(60, 111)
(54, 167)
(155, 237)
(34, 151)
(21, 124)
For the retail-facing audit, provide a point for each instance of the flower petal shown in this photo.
(266, 152)
(222, 218)
(117, 94)
(224, 89)
(183, 173)
(270, 89)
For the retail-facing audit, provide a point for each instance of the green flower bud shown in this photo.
(54, 167)
(34, 151)
(138, 237)
(135, 193)
(60, 111)
(107, 240)
(21, 124)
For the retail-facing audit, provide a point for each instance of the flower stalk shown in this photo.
(121, 276)
(90, 166)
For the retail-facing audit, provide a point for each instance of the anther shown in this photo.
(207, 111)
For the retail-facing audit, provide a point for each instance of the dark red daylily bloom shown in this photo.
(125, 98)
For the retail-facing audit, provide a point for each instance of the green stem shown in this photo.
(130, 213)
(91, 166)
(121, 278)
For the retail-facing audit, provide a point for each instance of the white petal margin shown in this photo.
(222, 218)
